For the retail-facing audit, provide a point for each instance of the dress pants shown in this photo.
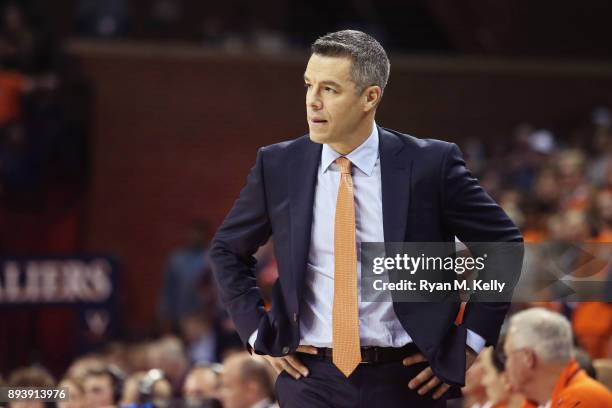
(383, 385)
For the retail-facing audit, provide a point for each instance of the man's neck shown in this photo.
(355, 140)
(544, 383)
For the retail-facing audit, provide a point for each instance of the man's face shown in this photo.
(334, 109)
(233, 392)
(494, 384)
(98, 391)
(200, 385)
(517, 368)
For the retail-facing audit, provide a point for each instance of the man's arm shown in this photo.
(245, 228)
(472, 215)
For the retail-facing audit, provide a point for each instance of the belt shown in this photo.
(372, 354)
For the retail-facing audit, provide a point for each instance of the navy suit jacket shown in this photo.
(428, 195)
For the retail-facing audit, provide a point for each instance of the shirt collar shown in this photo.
(363, 157)
(262, 403)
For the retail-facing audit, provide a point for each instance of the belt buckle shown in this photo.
(369, 355)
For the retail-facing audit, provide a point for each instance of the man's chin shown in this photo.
(318, 137)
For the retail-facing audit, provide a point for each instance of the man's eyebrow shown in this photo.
(332, 83)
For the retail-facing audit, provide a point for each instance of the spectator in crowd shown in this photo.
(603, 368)
(202, 387)
(592, 324)
(30, 377)
(75, 391)
(495, 380)
(81, 366)
(206, 335)
(180, 294)
(168, 355)
(130, 393)
(154, 389)
(102, 19)
(247, 383)
(474, 393)
(585, 362)
(103, 387)
(17, 38)
(541, 366)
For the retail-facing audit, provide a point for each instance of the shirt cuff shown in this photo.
(253, 337)
(474, 341)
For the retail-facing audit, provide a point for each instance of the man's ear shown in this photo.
(531, 357)
(372, 95)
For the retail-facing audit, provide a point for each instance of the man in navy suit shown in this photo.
(405, 190)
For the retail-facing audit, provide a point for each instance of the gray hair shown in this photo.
(370, 62)
(547, 333)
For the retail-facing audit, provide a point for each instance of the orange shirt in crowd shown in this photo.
(12, 86)
(575, 389)
(592, 325)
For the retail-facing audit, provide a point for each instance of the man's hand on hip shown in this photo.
(291, 363)
(425, 381)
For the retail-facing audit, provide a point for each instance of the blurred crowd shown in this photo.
(123, 377)
(271, 27)
(555, 183)
(44, 115)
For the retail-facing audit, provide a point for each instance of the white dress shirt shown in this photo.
(378, 324)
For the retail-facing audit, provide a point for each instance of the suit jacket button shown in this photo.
(285, 350)
(295, 318)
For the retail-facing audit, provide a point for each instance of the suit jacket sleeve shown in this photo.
(472, 215)
(244, 230)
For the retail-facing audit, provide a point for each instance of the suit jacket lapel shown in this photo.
(396, 169)
(302, 181)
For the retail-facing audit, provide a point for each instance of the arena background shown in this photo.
(146, 115)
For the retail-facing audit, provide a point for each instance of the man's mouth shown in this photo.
(318, 121)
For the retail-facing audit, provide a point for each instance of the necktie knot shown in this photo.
(344, 164)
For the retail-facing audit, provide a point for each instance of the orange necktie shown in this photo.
(346, 352)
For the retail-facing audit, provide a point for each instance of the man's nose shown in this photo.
(313, 101)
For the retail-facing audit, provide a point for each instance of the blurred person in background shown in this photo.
(19, 43)
(599, 145)
(495, 381)
(138, 356)
(585, 362)
(82, 365)
(540, 365)
(181, 294)
(103, 387)
(202, 387)
(592, 325)
(246, 383)
(154, 390)
(102, 19)
(603, 368)
(130, 393)
(474, 393)
(30, 377)
(601, 211)
(76, 392)
(571, 179)
(168, 355)
(205, 332)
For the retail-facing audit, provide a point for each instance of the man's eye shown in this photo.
(328, 89)
(307, 85)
